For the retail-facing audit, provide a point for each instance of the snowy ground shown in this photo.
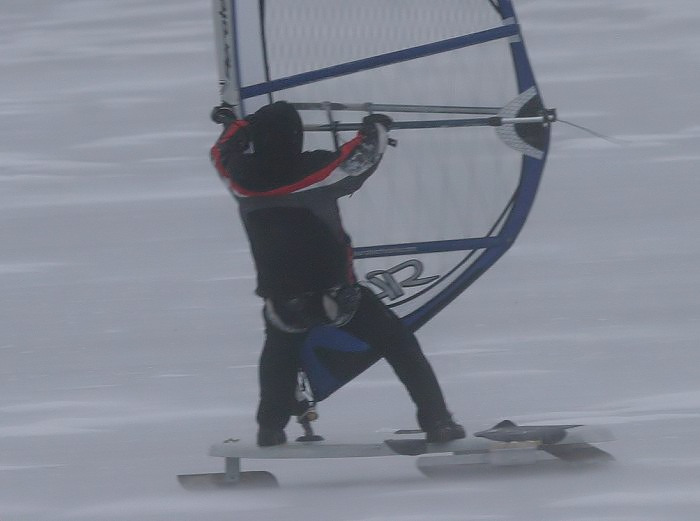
(125, 338)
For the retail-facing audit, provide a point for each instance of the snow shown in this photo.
(130, 334)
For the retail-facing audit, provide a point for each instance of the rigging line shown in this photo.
(609, 139)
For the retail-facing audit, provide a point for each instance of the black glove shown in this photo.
(223, 114)
(369, 121)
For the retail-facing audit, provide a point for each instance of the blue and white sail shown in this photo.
(471, 126)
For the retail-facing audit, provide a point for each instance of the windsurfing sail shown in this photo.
(471, 126)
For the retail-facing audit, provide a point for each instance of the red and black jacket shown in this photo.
(290, 211)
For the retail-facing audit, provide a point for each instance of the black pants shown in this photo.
(376, 325)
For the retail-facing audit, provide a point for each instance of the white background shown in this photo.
(129, 332)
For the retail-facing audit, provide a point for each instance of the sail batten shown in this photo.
(390, 250)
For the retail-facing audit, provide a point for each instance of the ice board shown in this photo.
(504, 444)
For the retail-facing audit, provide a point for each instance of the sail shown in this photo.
(469, 120)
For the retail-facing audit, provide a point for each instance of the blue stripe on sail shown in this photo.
(506, 9)
(411, 248)
(531, 173)
(380, 60)
(524, 74)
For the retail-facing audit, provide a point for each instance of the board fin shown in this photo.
(218, 480)
(578, 452)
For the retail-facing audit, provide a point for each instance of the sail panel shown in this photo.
(447, 202)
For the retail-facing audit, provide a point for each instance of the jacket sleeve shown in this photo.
(367, 154)
(229, 151)
(336, 174)
(357, 160)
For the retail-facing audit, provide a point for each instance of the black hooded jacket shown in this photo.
(289, 206)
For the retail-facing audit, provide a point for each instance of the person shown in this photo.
(288, 203)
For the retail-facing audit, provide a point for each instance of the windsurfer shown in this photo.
(288, 205)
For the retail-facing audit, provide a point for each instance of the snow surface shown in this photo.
(129, 333)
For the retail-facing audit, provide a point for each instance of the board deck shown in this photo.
(505, 444)
(236, 448)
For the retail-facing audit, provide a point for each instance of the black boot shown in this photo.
(444, 431)
(270, 437)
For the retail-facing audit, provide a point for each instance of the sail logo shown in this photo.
(393, 281)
